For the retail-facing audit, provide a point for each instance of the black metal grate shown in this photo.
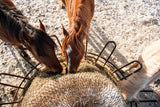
(119, 73)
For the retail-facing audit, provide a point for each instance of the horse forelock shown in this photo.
(76, 43)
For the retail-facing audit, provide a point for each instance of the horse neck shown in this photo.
(77, 19)
(16, 18)
(8, 3)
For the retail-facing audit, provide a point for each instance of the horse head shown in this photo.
(42, 47)
(73, 48)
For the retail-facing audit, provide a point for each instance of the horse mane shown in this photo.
(13, 22)
(78, 22)
(7, 2)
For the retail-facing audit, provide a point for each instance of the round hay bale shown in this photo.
(84, 89)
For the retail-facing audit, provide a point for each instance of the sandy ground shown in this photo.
(132, 24)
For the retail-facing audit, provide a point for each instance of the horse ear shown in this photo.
(80, 29)
(25, 37)
(65, 33)
(42, 27)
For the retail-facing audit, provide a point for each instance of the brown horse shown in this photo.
(15, 30)
(80, 13)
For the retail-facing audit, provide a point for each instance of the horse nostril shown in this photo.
(73, 71)
(67, 70)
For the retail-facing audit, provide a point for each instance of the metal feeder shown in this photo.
(116, 75)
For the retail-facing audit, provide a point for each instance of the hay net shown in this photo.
(84, 89)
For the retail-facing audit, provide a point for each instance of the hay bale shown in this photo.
(88, 89)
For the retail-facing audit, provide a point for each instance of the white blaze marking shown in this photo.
(68, 50)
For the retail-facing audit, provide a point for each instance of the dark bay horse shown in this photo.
(80, 13)
(15, 30)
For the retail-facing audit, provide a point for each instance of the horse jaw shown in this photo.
(69, 50)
